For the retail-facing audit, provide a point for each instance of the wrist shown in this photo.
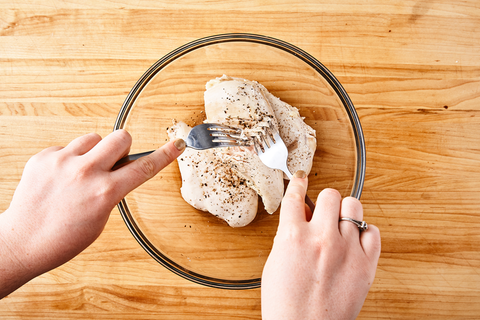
(15, 268)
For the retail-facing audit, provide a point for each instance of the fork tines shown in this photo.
(264, 140)
(227, 135)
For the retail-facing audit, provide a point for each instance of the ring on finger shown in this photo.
(362, 225)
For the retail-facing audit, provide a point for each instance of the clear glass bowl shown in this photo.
(195, 244)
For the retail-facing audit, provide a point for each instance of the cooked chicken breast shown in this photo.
(242, 104)
(248, 105)
(226, 181)
(298, 136)
(210, 184)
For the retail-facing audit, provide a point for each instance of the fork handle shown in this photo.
(131, 157)
(309, 203)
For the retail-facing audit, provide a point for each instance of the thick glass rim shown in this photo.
(211, 40)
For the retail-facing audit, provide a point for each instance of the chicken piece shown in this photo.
(226, 181)
(242, 104)
(296, 134)
(248, 105)
(209, 184)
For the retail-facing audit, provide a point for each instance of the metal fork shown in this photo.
(273, 152)
(203, 136)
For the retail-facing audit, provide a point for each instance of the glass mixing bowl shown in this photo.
(195, 244)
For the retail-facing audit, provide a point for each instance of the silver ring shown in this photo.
(362, 225)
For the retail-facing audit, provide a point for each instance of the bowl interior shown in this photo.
(195, 244)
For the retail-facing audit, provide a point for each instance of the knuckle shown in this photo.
(84, 171)
(352, 208)
(328, 192)
(123, 135)
(45, 154)
(147, 166)
(34, 159)
(352, 203)
(168, 154)
(48, 158)
(290, 235)
(165, 155)
(336, 250)
(293, 197)
(104, 196)
(106, 192)
(93, 136)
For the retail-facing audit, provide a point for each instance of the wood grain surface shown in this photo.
(412, 69)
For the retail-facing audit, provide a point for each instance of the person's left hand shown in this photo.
(66, 195)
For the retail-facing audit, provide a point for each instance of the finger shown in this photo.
(292, 209)
(52, 149)
(351, 208)
(371, 242)
(327, 211)
(111, 148)
(83, 144)
(137, 172)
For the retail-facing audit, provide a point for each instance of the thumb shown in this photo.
(293, 203)
(141, 170)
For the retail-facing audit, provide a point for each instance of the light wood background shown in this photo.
(412, 69)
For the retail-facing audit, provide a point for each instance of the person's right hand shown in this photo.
(319, 268)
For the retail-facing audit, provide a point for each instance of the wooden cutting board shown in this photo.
(411, 68)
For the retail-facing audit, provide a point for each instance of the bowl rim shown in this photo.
(211, 40)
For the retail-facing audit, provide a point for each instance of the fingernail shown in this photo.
(300, 174)
(180, 144)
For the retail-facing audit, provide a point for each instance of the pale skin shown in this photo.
(63, 202)
(318, 268)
